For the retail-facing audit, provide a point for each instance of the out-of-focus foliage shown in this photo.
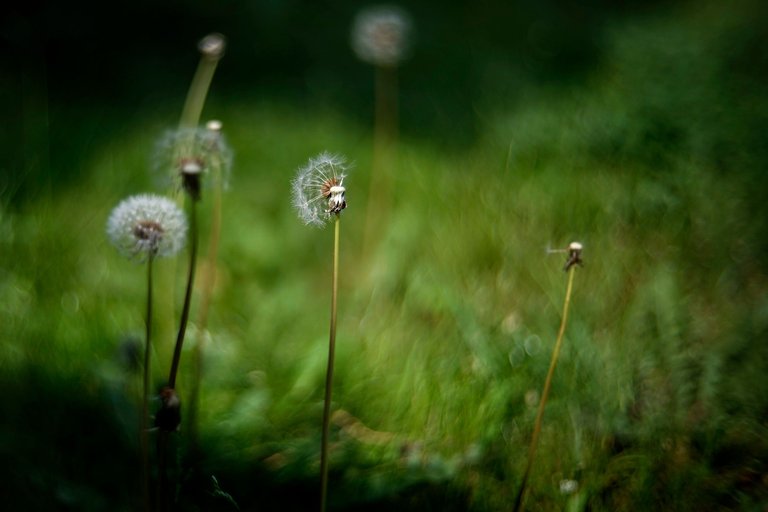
(653, 156)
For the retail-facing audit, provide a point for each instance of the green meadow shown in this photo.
(654, 158)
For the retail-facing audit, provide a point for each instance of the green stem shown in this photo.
(329, 372)
(144, 423)
(198, 90)
(187, 295)
(545, 394)
(206, 292)
(385, 135)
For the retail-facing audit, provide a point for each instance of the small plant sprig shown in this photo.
(573, 260)
(319, 196)
(145, 227)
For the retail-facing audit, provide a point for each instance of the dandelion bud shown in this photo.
(168, 417)
(212, 46)
(318, 189)
(147, 225)
(380, 35)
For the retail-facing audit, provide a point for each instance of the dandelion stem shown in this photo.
(385, 135)
(208, 281)
(545, 393)
(144, 424)
(187, 294)
(198, 90)
(329, 371)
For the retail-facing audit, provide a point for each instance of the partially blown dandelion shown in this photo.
(318, 189)
(146, 226)
(202, 147)
(319, 195)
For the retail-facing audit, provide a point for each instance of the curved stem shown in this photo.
(545, 394)
(187, 295)
(198, 90)
(144, 423)
(329, 372)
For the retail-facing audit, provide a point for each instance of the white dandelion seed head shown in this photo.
(318, 189)
(145, 225)
(177, 151)
(380, 35)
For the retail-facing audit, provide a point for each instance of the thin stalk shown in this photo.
(545, 394)
(385, 135)
(329, 371)
(187, 294)
(163, 491)
(198, 90)
(206, 292)
(144, 423)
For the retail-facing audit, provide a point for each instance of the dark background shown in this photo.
(68, 67)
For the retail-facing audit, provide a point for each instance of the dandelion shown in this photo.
(146, 225)
(143, 227)
(574, 258)
(201, 150)
(319, 195)
(380, 35)
(318, 189)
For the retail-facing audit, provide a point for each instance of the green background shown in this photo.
(637, 128)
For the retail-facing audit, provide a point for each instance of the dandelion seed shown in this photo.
(146, 225)
(380, 35)
(318, 189)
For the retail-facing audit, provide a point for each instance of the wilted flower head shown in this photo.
(574, 255)
(212, 46)
(318, 188)
(146, 225)
(380, 35)
(203, 150)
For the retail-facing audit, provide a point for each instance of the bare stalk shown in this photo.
(545, 394)
(385, 134)
(206, 292)
(329, 372)
(144, 423)
(187, 295)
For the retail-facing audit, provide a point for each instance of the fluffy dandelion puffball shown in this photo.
(146, 225)
(204, 147)
(380, 35)
(318, 189)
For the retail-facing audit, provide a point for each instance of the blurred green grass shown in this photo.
(445, 330)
